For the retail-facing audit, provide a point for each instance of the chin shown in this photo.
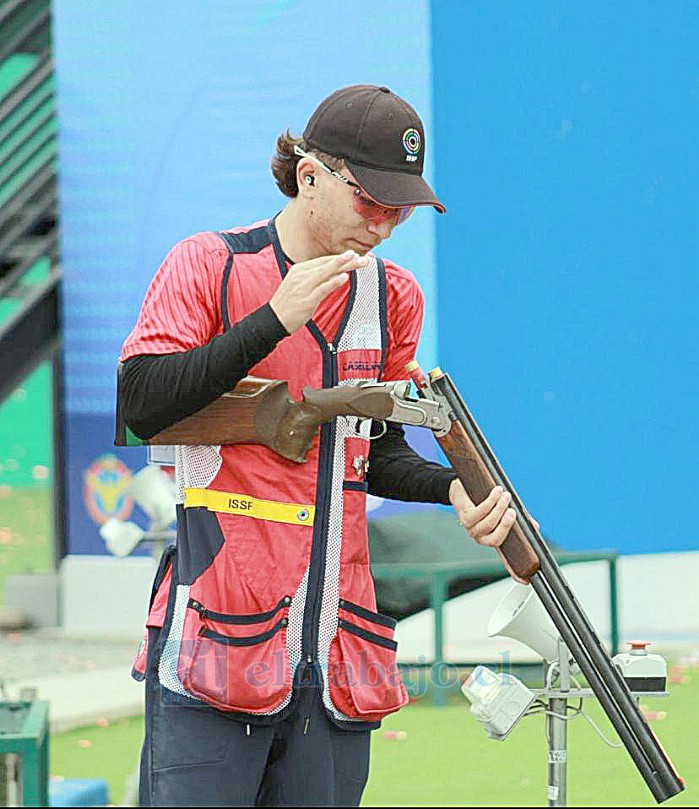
(361, 247)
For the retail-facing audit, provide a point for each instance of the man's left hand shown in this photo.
(489, 522)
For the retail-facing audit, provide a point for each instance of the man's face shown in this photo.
(340, 216)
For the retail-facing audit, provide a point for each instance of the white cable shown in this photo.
(560, 715)
(539, 707)
(578, 712)
(599, 732)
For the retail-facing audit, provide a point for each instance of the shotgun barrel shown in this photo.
(551, 586)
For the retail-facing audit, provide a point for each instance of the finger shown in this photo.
(338, 264)
(472, 516)
(319, 261)
(322, 266)
(495, 538)
(310, 264)
(324, 289)
(459, 497)
(491, 522)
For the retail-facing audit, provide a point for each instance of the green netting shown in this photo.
(7, 308)
(43, 91)
(48, 129)
(38, 272)
(14, 69)
(25, 132)
(28, 171)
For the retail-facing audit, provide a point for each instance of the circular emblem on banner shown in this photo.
(104, 491)
(412, 141)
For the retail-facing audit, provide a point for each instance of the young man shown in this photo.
(267, 664)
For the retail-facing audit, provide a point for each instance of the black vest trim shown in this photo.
(251, 242)
(383, 314)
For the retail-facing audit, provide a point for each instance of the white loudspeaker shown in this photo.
(121, 538)
(155, 493)
(520, 615)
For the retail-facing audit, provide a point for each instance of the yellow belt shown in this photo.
(231, 503)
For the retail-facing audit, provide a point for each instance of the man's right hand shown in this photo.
(308, 283)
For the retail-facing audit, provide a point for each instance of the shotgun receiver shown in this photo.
(528, 556)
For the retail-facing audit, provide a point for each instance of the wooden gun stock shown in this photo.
(260, 411)
(478, 482)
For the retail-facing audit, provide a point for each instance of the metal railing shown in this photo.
(440, 574)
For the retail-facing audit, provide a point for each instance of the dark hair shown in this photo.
(285, 161)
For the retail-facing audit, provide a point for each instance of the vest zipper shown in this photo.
(316, 576)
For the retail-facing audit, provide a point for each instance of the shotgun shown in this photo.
(261, 411)
(528, 556)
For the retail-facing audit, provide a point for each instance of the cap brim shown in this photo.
(393, 188)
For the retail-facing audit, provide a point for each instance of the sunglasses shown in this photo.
(362, 203)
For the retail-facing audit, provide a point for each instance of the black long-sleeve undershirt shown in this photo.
(156, 391)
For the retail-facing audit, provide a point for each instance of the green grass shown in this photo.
(26, 470)
(447, 760)
(110, 753)
(25, 532)
(26, 426)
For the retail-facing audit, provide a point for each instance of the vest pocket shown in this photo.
(237, 662)
(363, 677)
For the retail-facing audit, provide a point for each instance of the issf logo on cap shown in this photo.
(411, 144)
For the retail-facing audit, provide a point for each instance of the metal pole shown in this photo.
(557, 733)
(438, 594)
(558, 752)
(4, 766)
(59, 489)
(12, 765)
(613, 606)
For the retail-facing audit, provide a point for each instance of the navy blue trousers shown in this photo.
(198, 756)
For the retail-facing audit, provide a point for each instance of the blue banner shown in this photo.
(566, 154)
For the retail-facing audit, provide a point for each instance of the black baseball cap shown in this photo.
(381, 139)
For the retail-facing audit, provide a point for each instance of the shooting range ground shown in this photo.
(26, 471)
(447, 760)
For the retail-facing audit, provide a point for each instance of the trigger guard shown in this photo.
(371, 437)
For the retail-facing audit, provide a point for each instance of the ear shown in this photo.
(306, 177)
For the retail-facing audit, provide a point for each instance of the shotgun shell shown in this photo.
(416, 374)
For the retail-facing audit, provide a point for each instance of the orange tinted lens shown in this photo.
(377, 214)
(404, 213)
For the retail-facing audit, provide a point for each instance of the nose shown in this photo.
(383, 230)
